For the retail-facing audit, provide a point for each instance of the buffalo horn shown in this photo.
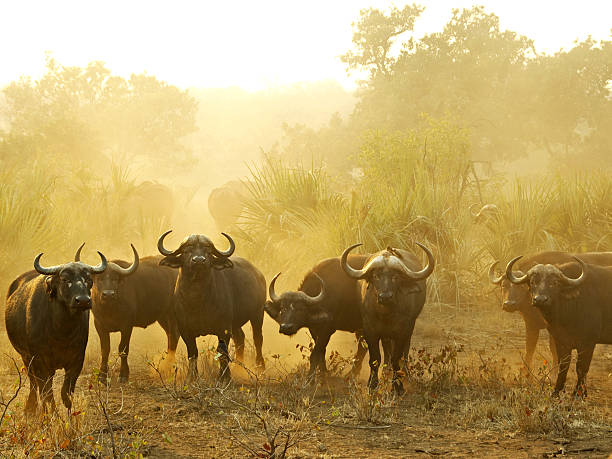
(42, 270)
(320, 296)
(101, 267)
(510, 275)
(273, 296)
(354, 273)
(130, 269)
(426, 271)
(492, 277)
(580, 279)
(160, 245)
(229, 251)
(77, 255)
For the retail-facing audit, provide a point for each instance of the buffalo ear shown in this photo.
(173, 261)
(272, 309)
(318, 315)
(413, 287)
(51, 285)
(570, 292)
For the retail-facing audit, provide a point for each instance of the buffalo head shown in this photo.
(196, 254)
(387, 273)
(547, 283)
(107, 286)
(513, 296)
(294, 310)
(70, 283)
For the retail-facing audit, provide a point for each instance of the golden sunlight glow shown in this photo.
(242, 43)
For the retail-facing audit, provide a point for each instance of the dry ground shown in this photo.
(472, 404)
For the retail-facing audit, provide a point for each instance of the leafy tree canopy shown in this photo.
(86, 114)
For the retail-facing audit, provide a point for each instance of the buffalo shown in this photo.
(326, 301)
(393, 294)
(132, 295)
(215, 295)
(575, 299)
(516, 297)
(47, 322)
(225, 203)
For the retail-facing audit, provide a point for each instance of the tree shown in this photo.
(82, 114)
(374, 36)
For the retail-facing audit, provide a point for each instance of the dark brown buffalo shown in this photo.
(393, 293)
(327, 301)
(517, 298)
(215, 296)
(129, 295)
(575, 299)
(47, 322)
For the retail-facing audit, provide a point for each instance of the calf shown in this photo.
(132, 295)
(392, 297)
(47, 322)
(575, 299)
(215, 295)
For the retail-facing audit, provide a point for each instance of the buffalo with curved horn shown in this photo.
(47, 321)
(393, 293)
(130, 295)
(516, 298)
(575, 299)
(215, 295)
(326, 301)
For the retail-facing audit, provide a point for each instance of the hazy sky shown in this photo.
(252, 44)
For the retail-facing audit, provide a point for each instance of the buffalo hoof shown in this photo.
(398, 388)
(123, 379)
(225, 378)
(373, 384)
(261, 363)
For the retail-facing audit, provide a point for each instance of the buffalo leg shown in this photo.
(553, 351)
(30, 407)
(172, 335)
(531, 333)
(124, 350)
(362, 349)
(70, 379)
(387, 346)
(397, 353)
(224, 370)
(565, 356)
(45, 389)
(238, 338)
(583, 362)
(317, 356)
(374, 351)
(104, 351)
(257, 329)
(192, 356)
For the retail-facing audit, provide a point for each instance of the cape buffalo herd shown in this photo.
(197, 289)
